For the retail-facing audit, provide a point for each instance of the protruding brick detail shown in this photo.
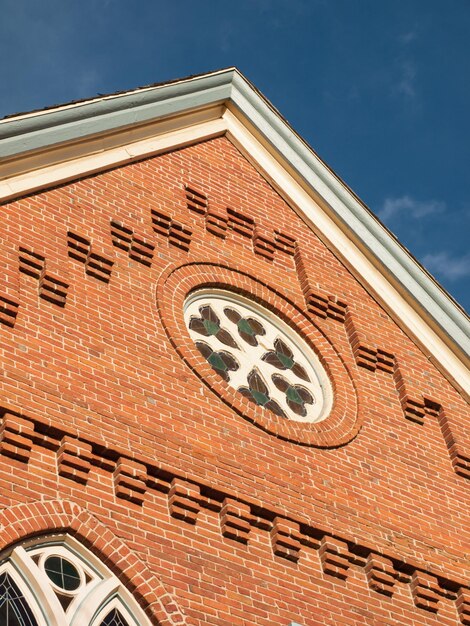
(53, 289)
(15, 436)
(50, 286)
(31, 263)
(97, 264)
(8, 310)
(241, 224)
(411, 399)
(196, 199)
(135, 245)
(263, 245)
(216, 223)
(365, 352)
(334, 557)
(284, 243)
(178, 234)
(425, 591)
(319, 304)
(9, 284)
(285, 539)
(462, 604)
(130, 480)
(380, 574)
(184, 500)
(459, 457)
(74, 459)
(235, 520)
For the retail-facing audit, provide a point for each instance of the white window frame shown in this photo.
(94, 598)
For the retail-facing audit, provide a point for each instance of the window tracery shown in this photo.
(259, 355)
(57, 582)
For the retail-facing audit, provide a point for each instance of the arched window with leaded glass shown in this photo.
(55, 581)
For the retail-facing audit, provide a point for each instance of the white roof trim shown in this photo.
(57, 144)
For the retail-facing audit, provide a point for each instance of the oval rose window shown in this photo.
(259, 355)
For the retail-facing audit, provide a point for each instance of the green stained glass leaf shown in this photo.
(244, 327)
(217, 362)
(286, 361)
(293, 395)
(229, 361)
(211, 327)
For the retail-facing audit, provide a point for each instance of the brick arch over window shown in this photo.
(23, 521)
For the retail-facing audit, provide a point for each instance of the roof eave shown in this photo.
(108, 114)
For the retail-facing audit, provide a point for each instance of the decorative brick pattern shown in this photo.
(184, 500)
(115, 370)
(285, 539)
(462, 604)
(334, 557)
(240, 223)
(74, 459)
(263, 245)
(380, 573)
(284, 243)
(216, 223)
(15, 436)
(178, 235)
(459, 456)
(9, 284)
(31, 263)
(319, 304)
(196, 199)
(411, 399)
(235, 520)
(236, 516)
(135, 245)
(97, 264)
(425, 591)
(130, 480)
(365, 353)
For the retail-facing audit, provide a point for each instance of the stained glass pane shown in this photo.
(263, 347)
(14, 610)
(114, 618)
(62, 573)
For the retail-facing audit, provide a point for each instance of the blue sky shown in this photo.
(380, 89)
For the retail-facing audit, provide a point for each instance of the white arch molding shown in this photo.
(88, 594)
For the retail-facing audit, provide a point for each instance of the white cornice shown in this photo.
(48, 147)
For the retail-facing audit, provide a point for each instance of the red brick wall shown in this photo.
(362, 519)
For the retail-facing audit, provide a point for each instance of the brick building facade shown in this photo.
(139, 484)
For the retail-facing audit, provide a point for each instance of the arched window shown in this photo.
(55, 581)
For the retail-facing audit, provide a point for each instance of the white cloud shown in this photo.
(407, 205)
(443, 264)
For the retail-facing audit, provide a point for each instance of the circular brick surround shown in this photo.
(177, 284)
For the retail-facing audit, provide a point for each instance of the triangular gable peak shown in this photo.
(56, 145)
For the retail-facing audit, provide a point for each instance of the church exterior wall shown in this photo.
(112, 419)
